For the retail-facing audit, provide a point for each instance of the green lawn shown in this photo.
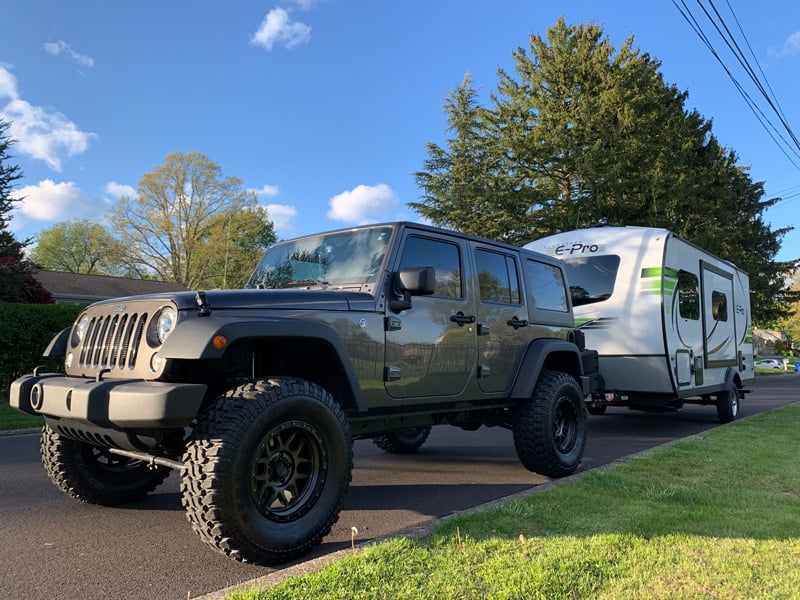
(13, 419)
(714, 516)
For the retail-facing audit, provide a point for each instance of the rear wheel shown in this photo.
(94, 475)
(267, 469)
(550, 428)
(728, 403)
(402, 441)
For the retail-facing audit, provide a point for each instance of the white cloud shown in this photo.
(8, 84)
(282, 217)
(48, 202)
(363, 204)
(791, 46)
(277, 27)
(41, 134)
(118, 190)
(61, 47)
(268, 191)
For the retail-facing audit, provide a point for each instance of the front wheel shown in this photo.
(550, 428)
(94, 475)
(267, 469)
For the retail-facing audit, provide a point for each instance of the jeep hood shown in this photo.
(317, 299)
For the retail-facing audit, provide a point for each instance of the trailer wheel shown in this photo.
(402, 441)
(267, 469)
(550, 428)
(728, 403)
(94, 475)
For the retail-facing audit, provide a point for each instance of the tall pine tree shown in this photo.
(17, 283)
(581, 134)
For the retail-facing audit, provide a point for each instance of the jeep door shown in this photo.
(430, 348)
(502, 326)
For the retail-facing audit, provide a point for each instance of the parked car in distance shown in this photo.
(769, 363)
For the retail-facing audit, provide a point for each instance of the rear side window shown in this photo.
(688, 296)
(546, 287)
(591, 279)
(719, 306)
(497, 277)
(444, 257)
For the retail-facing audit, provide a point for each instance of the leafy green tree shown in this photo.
(236, 242)
(178, 221)
(465, 185)
(582, 134)
(17, 283)
(79, 246)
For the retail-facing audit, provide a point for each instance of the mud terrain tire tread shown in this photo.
(92, 475)
(235, 435)
(550, 428)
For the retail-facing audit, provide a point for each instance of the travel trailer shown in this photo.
(670, 321)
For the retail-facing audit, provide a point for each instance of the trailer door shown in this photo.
(719, 323)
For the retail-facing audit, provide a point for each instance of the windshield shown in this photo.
(591, 279)
(343, 257)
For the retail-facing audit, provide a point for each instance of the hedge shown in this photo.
(25, 331)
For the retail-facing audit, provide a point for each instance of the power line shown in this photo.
(785, 146)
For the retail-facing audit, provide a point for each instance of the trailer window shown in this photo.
(719, 306)
(546, 287)
(591, 279)
(688, 296)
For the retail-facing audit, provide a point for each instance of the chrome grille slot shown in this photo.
(113, 341)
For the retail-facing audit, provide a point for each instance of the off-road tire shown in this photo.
(728, 403)
(403, 441)
(266, 470)
(92, 474)
(550, 428)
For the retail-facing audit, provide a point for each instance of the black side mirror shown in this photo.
(412, 281)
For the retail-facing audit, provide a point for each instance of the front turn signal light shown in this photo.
(219, 342)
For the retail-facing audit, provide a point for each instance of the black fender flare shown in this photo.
(567, 359)
(195, 340)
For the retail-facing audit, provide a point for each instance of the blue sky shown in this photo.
(324, 107)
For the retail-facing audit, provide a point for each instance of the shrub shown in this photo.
(24, 334)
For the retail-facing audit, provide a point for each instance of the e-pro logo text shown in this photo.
(576, 248)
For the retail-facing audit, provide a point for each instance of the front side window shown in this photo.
(688, 296)
(546, 287)
(591, 279)
(444, 257)
(497, 277)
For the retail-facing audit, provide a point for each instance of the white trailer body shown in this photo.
(670, 321)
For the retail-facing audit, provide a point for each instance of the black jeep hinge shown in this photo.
(203, 307)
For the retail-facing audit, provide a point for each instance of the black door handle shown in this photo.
(517, 323)
(462, 319)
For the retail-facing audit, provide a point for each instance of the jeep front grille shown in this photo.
(118, 341)
(112, 341)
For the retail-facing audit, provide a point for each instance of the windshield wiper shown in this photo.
(305, 282)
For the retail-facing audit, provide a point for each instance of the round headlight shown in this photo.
(166, 323)
(80, 329)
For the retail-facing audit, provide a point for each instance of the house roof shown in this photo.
(81, 287)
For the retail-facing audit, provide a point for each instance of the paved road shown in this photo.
(55, 548)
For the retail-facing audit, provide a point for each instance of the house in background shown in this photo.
(80, 288)
(764, 342)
